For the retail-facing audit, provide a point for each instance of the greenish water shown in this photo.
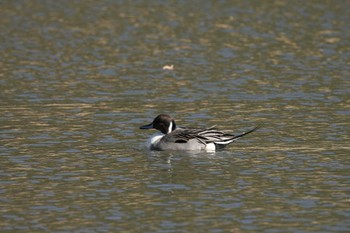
(78, 78)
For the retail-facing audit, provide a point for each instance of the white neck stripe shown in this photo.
(170, 127)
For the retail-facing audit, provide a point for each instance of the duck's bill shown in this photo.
(149, 126)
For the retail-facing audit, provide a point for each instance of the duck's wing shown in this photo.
(183, 135)
(204, 136)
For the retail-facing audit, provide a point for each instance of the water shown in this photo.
(77, 79)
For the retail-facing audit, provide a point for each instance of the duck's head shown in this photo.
(163, 122)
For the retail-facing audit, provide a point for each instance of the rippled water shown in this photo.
(77, 79)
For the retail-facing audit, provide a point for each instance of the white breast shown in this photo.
(154, 139)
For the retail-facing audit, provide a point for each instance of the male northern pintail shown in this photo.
(175, 138)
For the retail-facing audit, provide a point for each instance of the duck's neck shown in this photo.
(172, 127)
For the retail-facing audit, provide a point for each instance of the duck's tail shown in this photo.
(235, 137)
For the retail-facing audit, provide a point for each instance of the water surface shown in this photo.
(77, 79)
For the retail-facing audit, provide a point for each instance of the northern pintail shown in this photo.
(175, 138)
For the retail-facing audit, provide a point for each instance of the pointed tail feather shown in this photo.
(245, 133)
(235, 137)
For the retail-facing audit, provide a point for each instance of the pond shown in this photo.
(78, 78)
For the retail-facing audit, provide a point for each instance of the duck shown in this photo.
(173, 138)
